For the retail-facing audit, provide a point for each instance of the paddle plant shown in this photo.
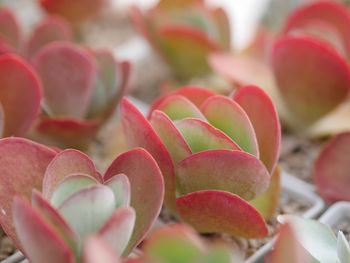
(306, 241)
(76, 11)
(314, 42)
(179, 243)
(330, 170)
(48, 30)
(184, 33)
(216, 153)
(58, 201)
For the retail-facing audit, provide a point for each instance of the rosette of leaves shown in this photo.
(184, 33)
(81, 89)
(307, 241)
(303, 67)
(55, 204)
(76, 11)
(216, 154)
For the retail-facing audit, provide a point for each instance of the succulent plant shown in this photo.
(313, 43)
(74, 11)
(48, 30)
(76, 203)
(305, 241)
(216, 153)
(81, 90)
(185, 33)
(179, 243)
(331, 175)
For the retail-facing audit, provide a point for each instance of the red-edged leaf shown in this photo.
(19, 86)
(226, 115)
(75, 11)
(201, 136)
(336, 14)
(171, 5)
(194, 94)
(178, 107)
(212, 211)
(68, 74)
(287, 247)
(67, 132)
(9, 28)
(97, 250)
(65, 163)
(87, 210)
(52, 28)
(139, 133)
(267, 202)
(170, 136)
(22, 168)
(233, 171)
(120, 186)
(331, 171)
(298, 63)
(55, 220)
(264, 117)
(35, 234)
(147, 189)
(186, 50)
(118, 229)
(141, 23)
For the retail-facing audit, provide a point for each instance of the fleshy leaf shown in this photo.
(343, 248)
(212, 211)
(298, 63)
(97, 250)
(201, 136)
(186, 50)
(194, 94)
(67, 132)
(68, 74)
(89, 209)
(336, 14)
(229, 117)
(177, 107)
(147, 189)
(331, 171)
(267, 202)
(35, 234)
(264, 118)
(223, 26)
(175, 243)
(66, 163)
(53, 28)
(2, 121)
(310, 231)
(120, 186)
(234, 171)
(139, 133)
(69, 185)
(22, 168)
(19, 86)
(170, 136)
(55, 220)
(74, 11)
(9, 28)
(118, 229)
(287, 248)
